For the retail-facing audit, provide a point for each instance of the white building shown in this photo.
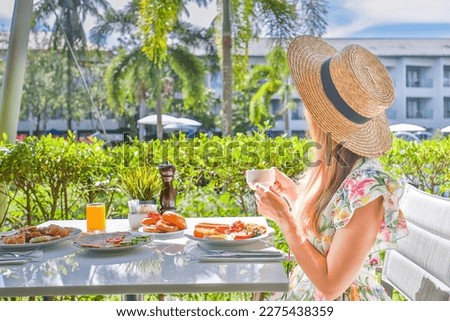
(420, 70)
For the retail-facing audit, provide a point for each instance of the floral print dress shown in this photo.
(366, 182)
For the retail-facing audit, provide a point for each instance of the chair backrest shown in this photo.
(420, 267)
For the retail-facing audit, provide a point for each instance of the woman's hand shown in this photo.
(286, 187)
(272, 206)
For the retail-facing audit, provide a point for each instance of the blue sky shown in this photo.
(346, 18)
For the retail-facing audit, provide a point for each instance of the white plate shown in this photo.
(100, 238)
(164, 236)
(30, 246)
(228, 243)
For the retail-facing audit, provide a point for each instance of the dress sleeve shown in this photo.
(362, 188)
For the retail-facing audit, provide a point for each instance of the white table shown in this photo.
(159, 267)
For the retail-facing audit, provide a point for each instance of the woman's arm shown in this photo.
(331, 274)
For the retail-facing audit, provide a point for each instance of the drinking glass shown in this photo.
(96, 217)
(265, 177)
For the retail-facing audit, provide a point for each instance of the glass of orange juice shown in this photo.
(96, 217)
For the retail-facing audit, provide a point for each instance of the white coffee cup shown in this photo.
(265, 177)
(134, 220)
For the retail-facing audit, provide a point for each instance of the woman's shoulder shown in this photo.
(366, 181)
(366, 168)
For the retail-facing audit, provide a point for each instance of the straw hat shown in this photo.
(346, 92)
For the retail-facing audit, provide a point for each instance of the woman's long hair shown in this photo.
(321, 180)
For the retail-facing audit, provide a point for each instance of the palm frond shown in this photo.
(312, 14)
(191, 71)
(278, 17)
(157, 18)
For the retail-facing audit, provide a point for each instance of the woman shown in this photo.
(345, 208)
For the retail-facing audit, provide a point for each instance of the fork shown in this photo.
(15, 255)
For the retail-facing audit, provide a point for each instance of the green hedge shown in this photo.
(53, 178)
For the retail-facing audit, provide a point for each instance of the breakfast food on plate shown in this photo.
(151, 229)
(111, 240)
(166, 226)
(236, 231)
(168, 222)
(210, 229)
(151, 218)
(14, 239)
(44, 238)
(175, 219)
(33, 234)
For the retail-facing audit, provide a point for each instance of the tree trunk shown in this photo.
(159, 129)
(227, 70)
(69, 91)
(70, 40)
(142, 114)
(286, 110)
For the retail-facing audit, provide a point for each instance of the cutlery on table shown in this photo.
(7, 256)
(240, 253)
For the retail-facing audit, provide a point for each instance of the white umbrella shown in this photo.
(188, 122)
(406, 128)
(446, 129)
(152, 120)
(178, 126)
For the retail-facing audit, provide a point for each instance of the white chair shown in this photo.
(420, 268)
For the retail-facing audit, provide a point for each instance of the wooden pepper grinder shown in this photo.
(168, 195)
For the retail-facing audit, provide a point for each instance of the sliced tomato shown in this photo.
(154, 215)
(115, 240)
(151, 218)
(243, 235)
(237, 226)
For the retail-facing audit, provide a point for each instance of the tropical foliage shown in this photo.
(68, 35)
(149, 72)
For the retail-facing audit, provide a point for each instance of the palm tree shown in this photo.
(132, 80)
(275, 77)
(276, 72)
(68, 32)
(243, 21)
(146, 72)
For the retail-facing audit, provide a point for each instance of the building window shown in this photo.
(446, 76)
(216, 81)
(276, 109)
(416, 77)
(417, 108)
(297, 111)
(299, 133)
(57, 113)
(446, 107)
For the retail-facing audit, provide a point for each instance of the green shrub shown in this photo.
(425, 165)
(53, 178)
